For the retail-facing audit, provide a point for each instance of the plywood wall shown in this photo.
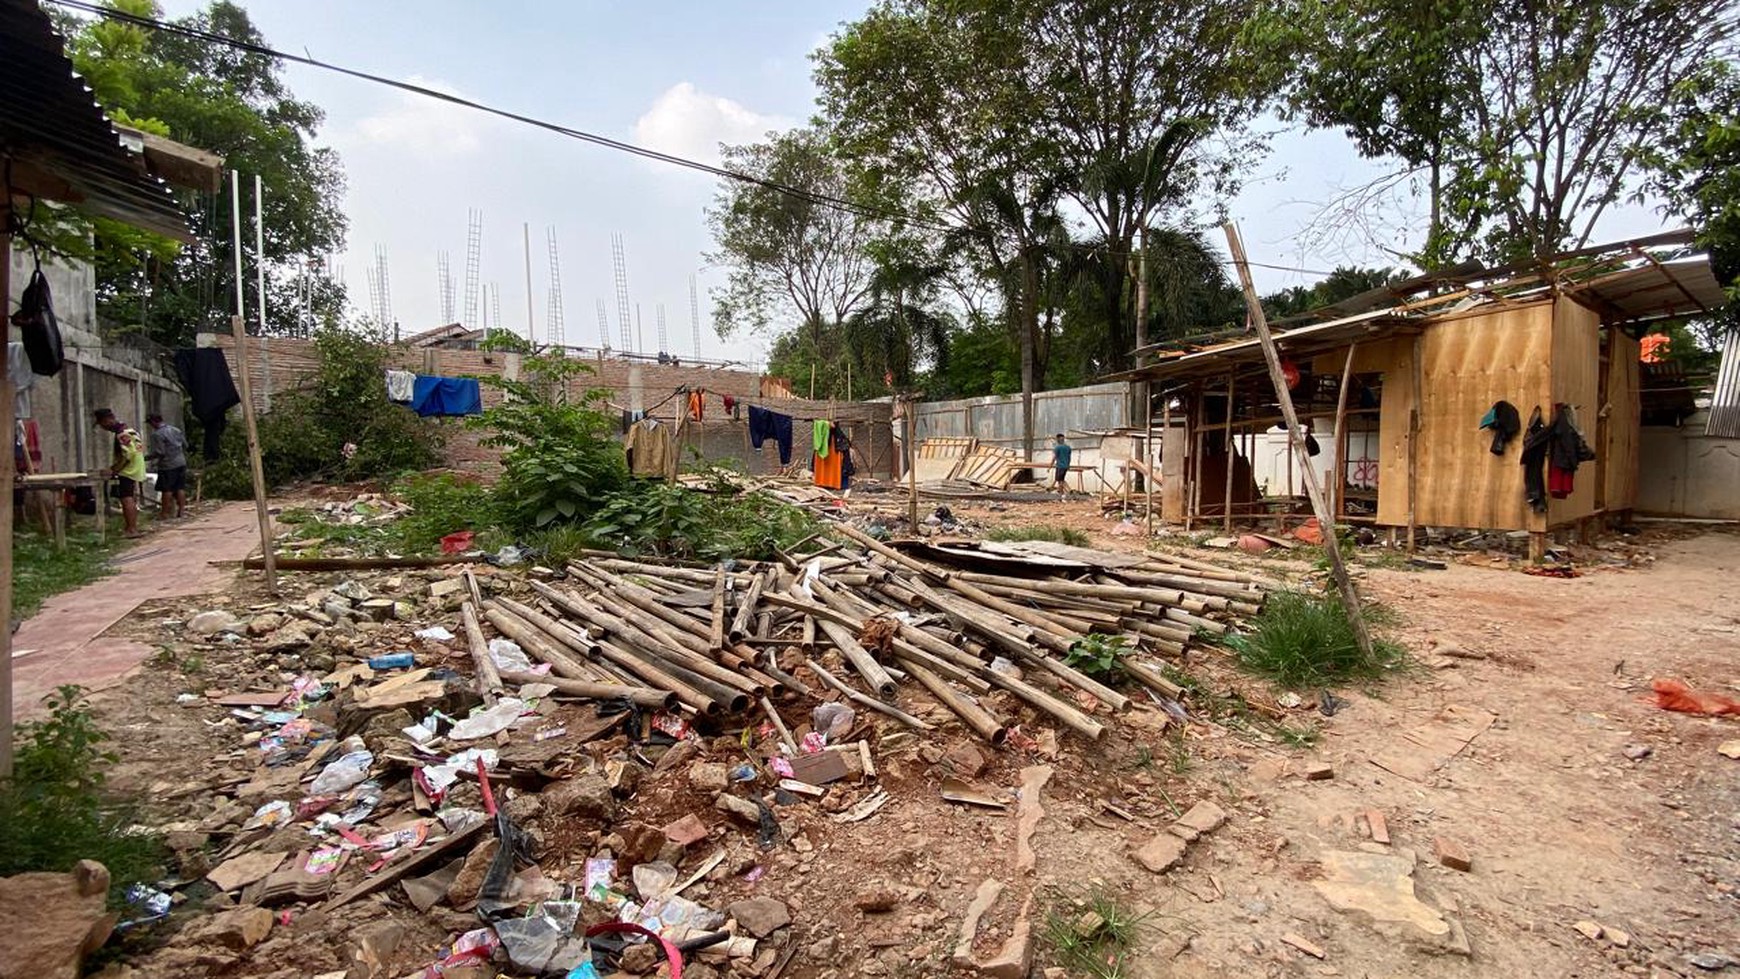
(1577, 382)
(1467, 363)
(1624, 412)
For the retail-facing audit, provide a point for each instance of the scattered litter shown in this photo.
(955, 790)
(435, 633)
(1676, 696)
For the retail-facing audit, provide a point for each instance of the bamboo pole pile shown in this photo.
(870, 623)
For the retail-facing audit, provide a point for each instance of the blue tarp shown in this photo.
(436, 396)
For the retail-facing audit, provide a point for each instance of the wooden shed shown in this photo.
(1393, 386)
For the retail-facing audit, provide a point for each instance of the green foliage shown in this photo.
(232, 103)
(441, 504)
(1343, 283)
(56, 809)
(1699, 173)
(560, 457)
(1301, 640)
(40, 570)
(1041, 532)
(344, 403)
(674, 521)
(1100, 953)
(1099, 656)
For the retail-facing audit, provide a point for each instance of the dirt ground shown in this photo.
(1561, 826)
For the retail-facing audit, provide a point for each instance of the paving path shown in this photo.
(62, 643)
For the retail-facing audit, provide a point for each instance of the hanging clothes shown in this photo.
(401, 386)
(697, 405)
(1505, 422)
(30, 436)
(1566, 450)
(649, 448)
(23, 378)
(629, 418)
(834, 470)
(435, 397)
(764, 425)
(730, 404)
(205, 374)
(822, 437)
(1534, 462)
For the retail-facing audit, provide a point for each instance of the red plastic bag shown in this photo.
(1674, 695)
(1311, 532)
(457, 543)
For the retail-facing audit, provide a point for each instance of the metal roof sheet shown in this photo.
(1656, 290)
(52, 127)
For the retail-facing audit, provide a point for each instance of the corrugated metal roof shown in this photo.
(1655, 290)
(61, 145)
(1724, 419)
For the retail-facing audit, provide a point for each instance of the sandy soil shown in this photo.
(1561, 826)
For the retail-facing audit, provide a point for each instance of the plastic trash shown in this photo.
(508, 656)
(584, 970)
(483, 724)
(508, 556)
(653, 880)
(541, 945)
(1005, 667)
(146, 904)
(833, 720)
(474, 948)
(1676, 696)
(600, 874)
(392, 661)
(457, 543)
(436, 633)
(271, 814)
(348, 770)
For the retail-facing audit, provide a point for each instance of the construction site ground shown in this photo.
(1583, 804)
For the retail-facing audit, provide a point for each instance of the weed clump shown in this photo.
(1040, 532)
(1303, 640)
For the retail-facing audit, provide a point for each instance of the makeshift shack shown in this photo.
(1393, 387)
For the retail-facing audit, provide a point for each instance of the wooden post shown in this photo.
(912, 464)
(1227, 444)
(1148, 455)
(268, 559)
(1339, 491)
(1417, 372)
(1193, 500)
(8, 475)
(1337, 569)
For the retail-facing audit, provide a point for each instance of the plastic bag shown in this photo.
(348, 770)
(485, 723)
(509, 657)
(833, 720)
(1676, 696)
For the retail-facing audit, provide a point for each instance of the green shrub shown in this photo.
(1056, 535)
(305, 434)
(1301, 640)
(56, 809)
(1097, 655)
(560, 457)
(659, 518)
(441, 504)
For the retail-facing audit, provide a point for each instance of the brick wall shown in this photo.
(278, 365)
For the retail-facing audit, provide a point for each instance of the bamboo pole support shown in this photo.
(976, 718)
(716, 629)
(866, 701)
(644, 696)
(488, 678)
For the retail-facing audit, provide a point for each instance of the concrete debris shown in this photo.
(52, 921)
(236, 929)
(1161, 853)
(760, 916)
(1378, 885)
(215, 621)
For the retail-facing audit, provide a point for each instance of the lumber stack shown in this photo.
(871, 623)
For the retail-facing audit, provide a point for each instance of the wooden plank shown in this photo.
(1623, 421)
(1576, 381)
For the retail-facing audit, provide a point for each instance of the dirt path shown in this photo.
(1561, 825)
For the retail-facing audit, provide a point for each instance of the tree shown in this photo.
(1698, 169)
(791, 258)
(1343, 283)
(1533, 116)
(232, 103)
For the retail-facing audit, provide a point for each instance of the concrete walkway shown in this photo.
(61, 644)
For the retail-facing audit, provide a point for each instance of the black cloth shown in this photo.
(126, 488)
(843, 446)
(1311, 446)
(38, 328)
(1566, 449)
(205, 373)
(1505, 422)
(1534, 462)
(172, 480)
(764, 425)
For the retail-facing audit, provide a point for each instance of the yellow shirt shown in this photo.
(129, 455)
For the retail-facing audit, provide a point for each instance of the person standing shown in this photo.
(1060, 456)
(168, 456)
(126, 465)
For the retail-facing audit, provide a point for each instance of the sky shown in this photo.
(680, 77)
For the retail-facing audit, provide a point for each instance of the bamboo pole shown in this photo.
(866, 701)
(644, 696)
(785, 737)
(488, 679)
(853, 533)
(540, 646)
(716, 628)
(740, 623)
(860, 658)
(1338, 492)
(1417, 371)
(1326, 520)
(238, 330)
(976, 718)
(671, 647)
(646, 669)
(1227, 448)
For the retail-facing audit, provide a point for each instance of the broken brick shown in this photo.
(1380, 828)
(1452, 854)
(1203, 818)
(1161, 853)
(1303, 944)
(1317, 771)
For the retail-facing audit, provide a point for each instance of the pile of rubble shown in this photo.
(504, 785)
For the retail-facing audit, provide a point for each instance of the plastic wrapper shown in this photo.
(492, 721)
(509, 657)
(350, 769)
(833, 720)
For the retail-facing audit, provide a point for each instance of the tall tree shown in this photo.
(234, 104)
(795, 262)
(1534, 117)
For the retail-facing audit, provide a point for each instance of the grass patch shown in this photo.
(1303, 640)
(56, 809)
(1093, 935)
(1235, 713)
(40, 571)
(1043, 532)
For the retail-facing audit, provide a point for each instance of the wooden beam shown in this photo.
(1339, 491)
(1326, 520)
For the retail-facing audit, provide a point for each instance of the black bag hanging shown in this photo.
(41, 334)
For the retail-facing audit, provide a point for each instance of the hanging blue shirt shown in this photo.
(438, 396)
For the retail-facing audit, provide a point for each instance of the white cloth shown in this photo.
(399, 386)
(23, 378)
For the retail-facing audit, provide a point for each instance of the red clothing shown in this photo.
(1560, 482)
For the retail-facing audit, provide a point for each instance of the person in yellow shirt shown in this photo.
(127, 466)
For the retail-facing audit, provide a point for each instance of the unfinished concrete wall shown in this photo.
(1686, 473)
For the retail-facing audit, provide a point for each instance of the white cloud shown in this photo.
(685, 121)
(424, 125)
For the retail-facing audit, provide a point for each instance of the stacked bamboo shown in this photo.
(713, 642)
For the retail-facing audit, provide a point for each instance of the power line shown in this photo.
(825, 200)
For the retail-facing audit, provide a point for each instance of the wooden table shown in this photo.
(98, 481)
(1015, 464)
